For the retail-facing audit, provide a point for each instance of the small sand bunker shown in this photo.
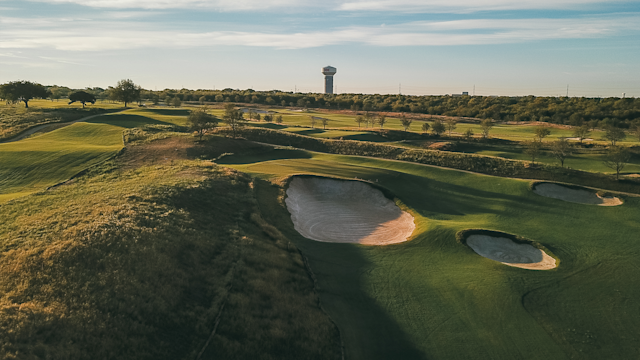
(341, 211)
(511, 253)
(580, 196)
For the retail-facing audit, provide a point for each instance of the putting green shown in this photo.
(435, 298)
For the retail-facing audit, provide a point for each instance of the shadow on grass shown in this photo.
(273, 154)
(367, 330)
(127, 121)
(268, 125)
(169, 112)
(365, 137)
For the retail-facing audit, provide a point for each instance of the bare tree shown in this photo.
(468, 135)
(406, 122)
(325, 122)
(616, 159)
(533, 149)
(614, 134)
(582, 132)
(486, 126)
(313, 121)
(561, 149)
(233, 118)
(541, 132)
(382, 119)
(451, 125)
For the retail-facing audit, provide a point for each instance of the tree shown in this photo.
(486, 125)
(382, 119)
(200, 121)
(438, 127)
(368, 118)
(451, 125)
(22, 91)
(359, 120)
(202, 99)
(278, 119)
(533, 150)
(268, 117)
(126, 91)
(582, 132)
(313, 120)
(541, 131)
(561, 149)
(406, 122)
(324, 121)
(233, 118)
(614, 134)
(175, 102)
(468, 135)
(616, 159)
(82, 97)
(425, 127)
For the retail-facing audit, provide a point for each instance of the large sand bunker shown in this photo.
(511, 253)
(580, 196)
(346, 212)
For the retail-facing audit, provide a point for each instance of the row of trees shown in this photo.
(24, 91)
(594, 112)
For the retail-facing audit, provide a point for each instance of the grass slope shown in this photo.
(43, 160)
(145, 263)
(435, 298)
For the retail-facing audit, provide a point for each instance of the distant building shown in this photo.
(328, 72)
(463, 93)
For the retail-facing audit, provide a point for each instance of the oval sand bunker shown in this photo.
(346, 212)
(510, 253)
(580, 196)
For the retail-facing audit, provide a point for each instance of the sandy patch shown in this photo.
(578, 139)
(341, 211)
(574, 195)
(510, 253)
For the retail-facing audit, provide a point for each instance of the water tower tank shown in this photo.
(328, 72)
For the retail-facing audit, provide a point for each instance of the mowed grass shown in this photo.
(502, 131)
(43, 160)
(434, 298)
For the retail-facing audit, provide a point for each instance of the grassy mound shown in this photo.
(162, 262)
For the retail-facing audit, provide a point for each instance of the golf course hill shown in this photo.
(154, 255)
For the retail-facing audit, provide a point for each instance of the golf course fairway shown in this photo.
(43, 160)
(434, 298)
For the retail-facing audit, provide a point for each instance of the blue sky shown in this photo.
(428, 47)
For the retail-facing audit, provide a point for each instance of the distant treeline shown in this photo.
(598, 112)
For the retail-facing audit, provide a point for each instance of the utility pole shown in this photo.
(567, 90)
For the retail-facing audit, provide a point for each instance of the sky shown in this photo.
(416, 47)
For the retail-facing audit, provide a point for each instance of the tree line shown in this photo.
(576, 111)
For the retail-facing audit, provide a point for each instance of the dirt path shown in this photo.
(46, 128)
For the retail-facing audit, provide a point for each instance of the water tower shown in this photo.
(328, 72)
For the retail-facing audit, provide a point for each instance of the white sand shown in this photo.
(346, 212)
(510, 253)
(575, 196)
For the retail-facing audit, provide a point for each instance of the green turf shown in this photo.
(43, 160)
(435, 298)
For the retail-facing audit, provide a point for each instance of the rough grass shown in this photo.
(469, 162)
(434, 298)
(137, 264)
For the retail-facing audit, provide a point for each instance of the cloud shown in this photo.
(339, 5)
(118, 35)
